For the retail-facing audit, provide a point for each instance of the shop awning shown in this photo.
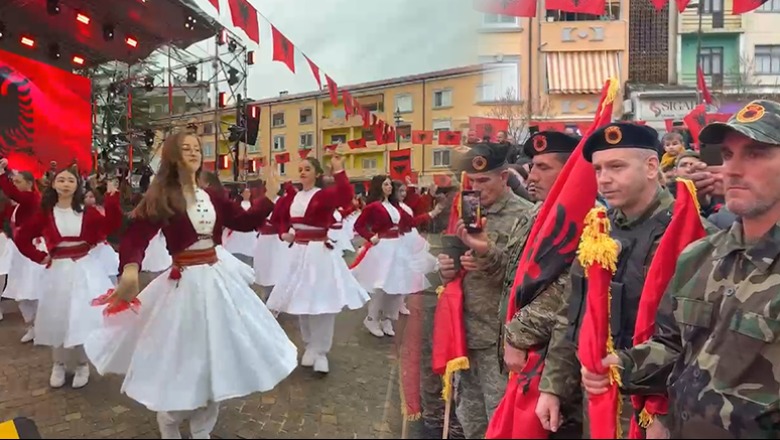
(581, 72)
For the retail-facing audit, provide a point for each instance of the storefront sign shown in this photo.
(661, 108)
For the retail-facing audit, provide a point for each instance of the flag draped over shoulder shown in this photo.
(598, 253)
(684, 229)
(449, 353)
(550, 249)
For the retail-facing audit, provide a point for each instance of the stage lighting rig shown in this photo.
(54, 51)
(232, 45)
(149, 83)
(108, 32)
(2, 30)
(190, 23)
(233, 76)
(149, 137)
(53, 7)
(192, 74)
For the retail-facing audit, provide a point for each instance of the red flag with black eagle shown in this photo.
(701, 84)
(684, 229)
(593, 7)
(487, 127)
(400, 164)
(244, 16)
(550, 250)
(422, 137)
(512, 8)
(284, 50)
(45, 115)
(333, 90)
(448, 137)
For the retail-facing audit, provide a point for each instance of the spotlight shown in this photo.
(82, 18)
(108, 32)
(27, 41)
(232, 76)
(79, 61)
(250, 57)
(192, 74)
(53, 7)
(132, 42)
(2, 30)
(222, 99)
(149, 137)
(149, 83)
(54, 51)
(222, 37)
(232, 45)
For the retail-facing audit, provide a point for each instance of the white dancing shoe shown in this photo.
(308, 358)
(321, 364)
(168, 427)
(57, 378)
(29, 335)
(404, 310)
(387, 327)
(374, 327)
(81, 377)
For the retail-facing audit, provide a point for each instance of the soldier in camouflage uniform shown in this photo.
(531, 326)
(717, 344)
(625, 158)
(482, 386)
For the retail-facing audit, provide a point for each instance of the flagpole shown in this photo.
(700, 10)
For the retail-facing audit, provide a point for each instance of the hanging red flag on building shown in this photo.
(487, 127)
(333, 91)
(701, 84)
(593, 7)
(400, 164)
(512, 8)
(379, 130)
(422, 137)
(244, 16)
(45, 115)
(695, 121)
(681, 4)
(314, 71)
(282, 157)
(448, 137)
(346, 97)
(331, 147)
(357, 143)
(304, 152)
(284, 50)
(743, 6)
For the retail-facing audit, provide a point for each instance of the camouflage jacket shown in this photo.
(482, 288)
(717, 341)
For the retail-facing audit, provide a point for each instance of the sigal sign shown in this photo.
(665, 108)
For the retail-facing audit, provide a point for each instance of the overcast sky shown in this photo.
(355, 41)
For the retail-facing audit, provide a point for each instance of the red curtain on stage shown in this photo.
(45, 115)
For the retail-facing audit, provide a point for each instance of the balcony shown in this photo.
(715, 84)
(354, 121)
(717, 23)
(564, 36)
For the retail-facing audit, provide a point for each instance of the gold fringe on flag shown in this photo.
(692, 189)
(453, 366)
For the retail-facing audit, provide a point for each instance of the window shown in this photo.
(374, 106)
(499, 21)
(307, 139)
(441, 125)
(770, 6)
(500, 82)
(767, 59)
(279, 142)
(369, 164)
(403, 103)
(442, 98)
(208, 149)
(338, 113)
(712, 60)
(338, 139)
(441, 157)
(252, 148)
(711, 6)
(404, 132)
(278, 120)
(280, 168)
(306, 116)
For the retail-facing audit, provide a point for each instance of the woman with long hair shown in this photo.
(65, 318)
(201, 335)
(419, 260)
(272, 254)
(103, 252)
(381, 266)
(318, 284)
(23, 283)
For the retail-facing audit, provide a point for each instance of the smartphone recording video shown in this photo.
(471, 211)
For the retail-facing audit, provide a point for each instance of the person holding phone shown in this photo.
(497, 209)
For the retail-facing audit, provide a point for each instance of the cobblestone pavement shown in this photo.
(358, 399)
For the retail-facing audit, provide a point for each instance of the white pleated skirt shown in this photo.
(107, 257)
(342, 239)
(317, 281)
(6, 253)
(419, 260)
(65, 316)
(24, 275)
(236, 265)
(271, 260)
(242, 243)
(156, 258)
(204, 338)
(384, 267)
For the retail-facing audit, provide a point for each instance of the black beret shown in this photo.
(621, 135)
(544, 142)
(484, 157)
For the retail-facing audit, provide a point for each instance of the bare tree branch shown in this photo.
(520, 114)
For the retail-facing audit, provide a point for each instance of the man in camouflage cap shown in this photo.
(716, 350)
(481, 387)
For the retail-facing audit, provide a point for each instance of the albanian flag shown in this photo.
(487, 127)
(45, 116)
(422, 137)
(695, 121)
(400, 164)
(684, 229)
(284, 50)
(550, 249)
(593, 7)
(598, 253)
(244, 16)
(512, 8)
(744, 6)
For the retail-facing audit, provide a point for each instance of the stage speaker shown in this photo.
(252, 124)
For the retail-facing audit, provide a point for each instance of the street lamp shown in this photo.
(398, 120)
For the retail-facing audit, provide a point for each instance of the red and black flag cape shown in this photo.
(551, 248)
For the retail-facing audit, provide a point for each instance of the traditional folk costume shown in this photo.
(272, 254)
(240, 243)
(157, 258)
(65, 317)
(105, 254)
(318, 284)
(24, 276)
(383, 268)
(201, 336)
(340, 234)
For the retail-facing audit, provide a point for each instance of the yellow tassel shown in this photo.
(645, 418)
(692, 189)
(667, 161)
(453, 366)
(439, 291)
(596, 246)
(612, 90)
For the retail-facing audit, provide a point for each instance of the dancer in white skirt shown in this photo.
(103, 253)
(201, 335)
(71, 279)
(242, 243)
(318, 284)
(381, 265)
(24, 276)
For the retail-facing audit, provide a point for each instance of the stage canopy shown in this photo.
(98, 31)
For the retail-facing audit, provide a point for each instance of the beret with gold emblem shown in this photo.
(544, 142)
(484, 157)
(759, 120)
(621, 135)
